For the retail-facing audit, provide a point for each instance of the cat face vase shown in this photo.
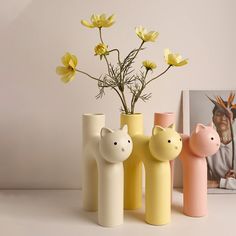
(155, 152)
(115, 146)
(106, 151)
(204, 141)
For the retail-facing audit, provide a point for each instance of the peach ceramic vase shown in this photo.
(164, 120)
(133, 165)
(104, 153)
(204, 141)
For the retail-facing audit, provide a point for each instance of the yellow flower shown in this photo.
(146, 36)
(101, 49)
(99, 21)
(69, 69)
(149, 65)
(174, 59)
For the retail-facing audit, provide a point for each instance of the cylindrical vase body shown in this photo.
(194, 182)
(133, 165)
(158, 193)
(91, 127)
(110, 194)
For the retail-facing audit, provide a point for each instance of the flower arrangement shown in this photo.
(120, 77)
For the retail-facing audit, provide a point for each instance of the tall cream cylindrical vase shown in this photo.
(133, 165)
(91, 127)
(114, 148)
(103, 184)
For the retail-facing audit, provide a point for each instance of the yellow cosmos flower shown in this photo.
(174, 59)
(149, 65)
(146, 36)
(99, 21)
(69, 69)
(101, 49)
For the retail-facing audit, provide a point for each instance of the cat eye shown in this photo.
(115, 143)
(212, 138)
(169, 141)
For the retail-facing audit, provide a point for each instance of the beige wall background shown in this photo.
(40, 117)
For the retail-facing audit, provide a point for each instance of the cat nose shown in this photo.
(122, 149)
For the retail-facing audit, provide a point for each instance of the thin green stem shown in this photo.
(100, 34)
(159, 75)
(122, 96)
(118, 54)
(120, 86)
(136, 96)
(122, 78)
(119, 92)
(136, 53)
(115, 49)
(85, 73)
(82, 72)
(124, 105)
(138, 50)
(108, 66)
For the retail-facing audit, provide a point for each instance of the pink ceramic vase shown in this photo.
(204, 141)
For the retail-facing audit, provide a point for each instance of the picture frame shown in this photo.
(201, 106)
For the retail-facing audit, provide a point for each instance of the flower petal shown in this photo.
(166, 53)
(74, 59)
(171, 59)
(65, 59)
(67, 78)
(149, 65)
(71, 64)
(146, 36)
(110, 21)
(87, 24)
(182, 63)
(102, 17)
(61, 70)
(111, 18)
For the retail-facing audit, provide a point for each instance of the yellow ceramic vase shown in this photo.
(132, 166)
(155, 152)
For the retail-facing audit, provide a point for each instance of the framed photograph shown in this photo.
(219, 108)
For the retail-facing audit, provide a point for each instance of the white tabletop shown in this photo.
(59, 213)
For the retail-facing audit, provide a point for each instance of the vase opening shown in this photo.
(93, 114)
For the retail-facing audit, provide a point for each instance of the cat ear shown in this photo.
(125, 128)
(172, 126)
(157, 129)
(105, 131)
(199, 127)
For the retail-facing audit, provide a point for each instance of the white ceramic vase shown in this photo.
(104, 153)
(91, 127)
